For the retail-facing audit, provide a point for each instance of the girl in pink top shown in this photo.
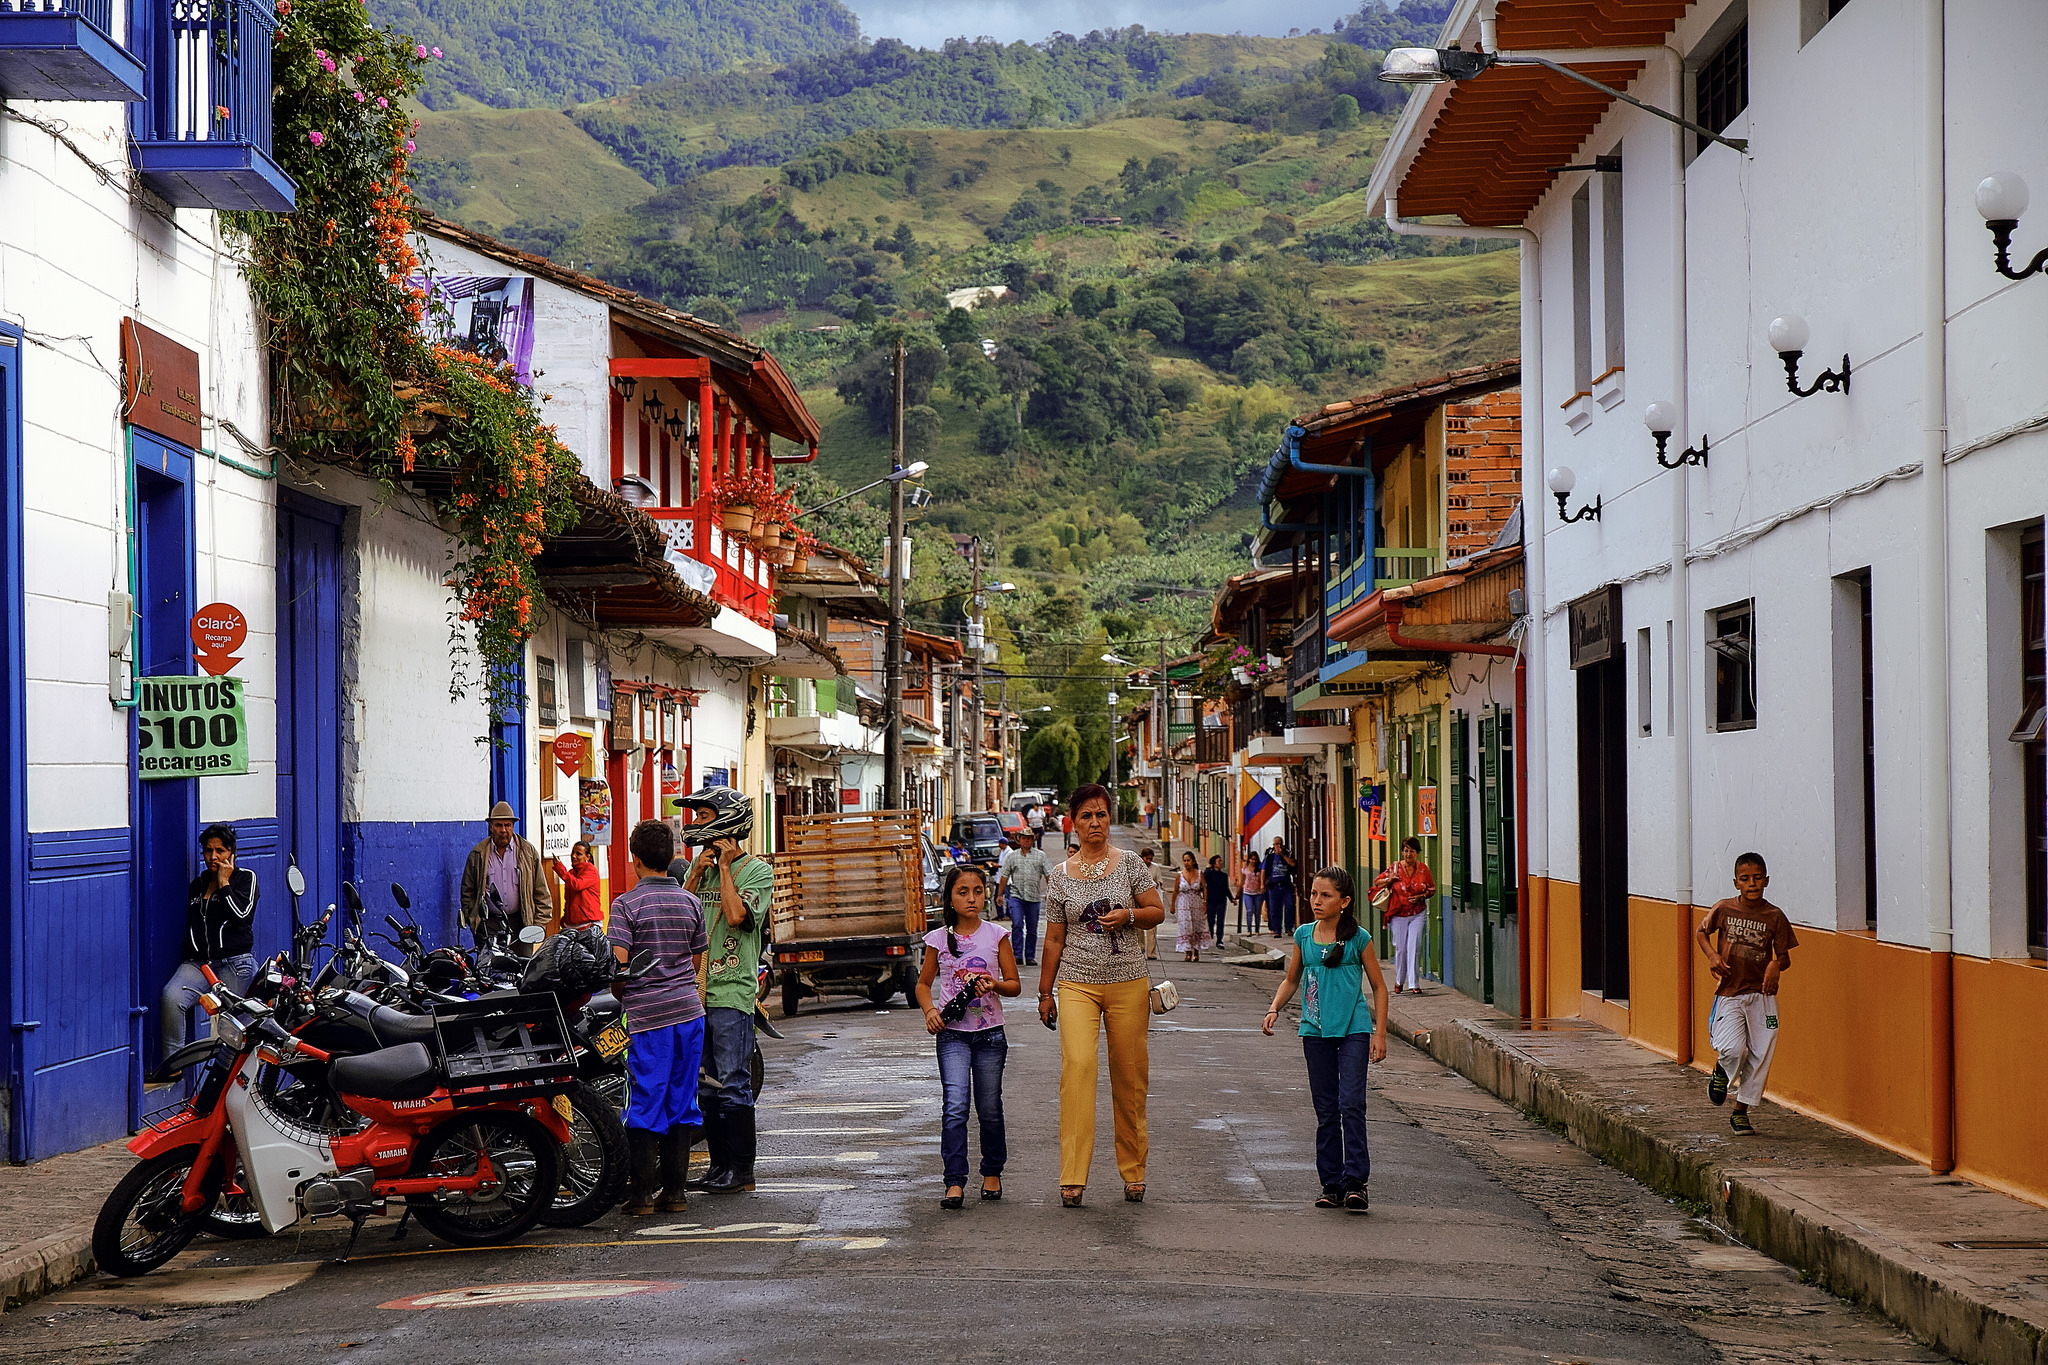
(968, 966)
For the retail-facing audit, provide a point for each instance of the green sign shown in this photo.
(191, 727)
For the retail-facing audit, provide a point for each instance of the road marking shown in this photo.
(824, 1132)
(798, 1187)
(699, 1230)
(496, 1295)
(189, 1286)
(702, 1160)
(884, 1109)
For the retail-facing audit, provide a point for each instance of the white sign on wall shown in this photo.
(557, 828)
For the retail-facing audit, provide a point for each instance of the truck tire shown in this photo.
(908, 985)
(792, 992)
(880, 993)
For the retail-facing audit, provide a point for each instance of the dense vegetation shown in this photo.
(513, 53)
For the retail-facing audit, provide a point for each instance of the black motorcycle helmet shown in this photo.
(722, 813)
(444, 970)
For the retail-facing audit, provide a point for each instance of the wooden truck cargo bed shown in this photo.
(856, 874)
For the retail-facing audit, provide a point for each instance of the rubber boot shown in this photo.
(714, 1144)
(675, 1166)
(643, 1150)
(739, 1138)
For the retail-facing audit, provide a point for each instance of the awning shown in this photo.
(1462, 606)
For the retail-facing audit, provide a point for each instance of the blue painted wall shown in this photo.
(76, 940)
(427, 857)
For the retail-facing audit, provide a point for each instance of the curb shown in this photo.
(1840, 1258)
(43, 1267)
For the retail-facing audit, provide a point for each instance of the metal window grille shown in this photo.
(1731, 639)
(219, 60)
(98, 13)
(1721, 89)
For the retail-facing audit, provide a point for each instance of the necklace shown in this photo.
(1090, 871)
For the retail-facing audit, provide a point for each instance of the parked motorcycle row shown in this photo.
(482, 1091)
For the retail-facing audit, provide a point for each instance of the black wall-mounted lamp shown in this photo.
(1788, 337)
(1562, 481)
(652, 405)
(1660, 417)
(673, 424)
(623, 385)
(2002, 198)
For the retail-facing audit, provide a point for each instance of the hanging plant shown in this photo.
(354, 379)
(741, 497)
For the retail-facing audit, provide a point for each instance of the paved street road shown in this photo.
(1490, 1239)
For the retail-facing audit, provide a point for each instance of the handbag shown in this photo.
(1164, 997)
(1381, 897)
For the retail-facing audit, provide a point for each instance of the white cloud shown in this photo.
(927, 23)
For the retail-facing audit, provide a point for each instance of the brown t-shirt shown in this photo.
(1748, 940)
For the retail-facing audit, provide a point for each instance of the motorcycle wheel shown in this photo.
(234, 1215)
(594, 1164)
(611, 1086)
(757, 1070)
(140, 1226)
(530, 1171)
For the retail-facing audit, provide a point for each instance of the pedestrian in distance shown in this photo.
(507, 863)
(1280, 889)
(664, 1021)
(1333, 960)
(1035, 818)
(1748, 942)
(1252, 888)
(579, 880)
(220, 919)
(1149, 856)
(740, 889)
(1216, 897)
(969, 968)
(1067, 827)
(1190, 914)
(1407, 885)
(1092, 981)
(1020, 885)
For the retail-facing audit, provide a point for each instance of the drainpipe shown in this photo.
(1934, 650)
(1532, 897)
(1401, 641)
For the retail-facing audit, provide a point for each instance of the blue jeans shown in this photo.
(1280, 909)
(661, 1077)
(729, 1058)
(1254, 910)
(972, 1061)
(1336, 1083)
(1024, 915)
(187, 984)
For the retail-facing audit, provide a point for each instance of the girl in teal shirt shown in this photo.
(1337, 1032)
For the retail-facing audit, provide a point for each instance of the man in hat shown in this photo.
(509, 864)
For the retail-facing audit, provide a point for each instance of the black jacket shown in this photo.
(220, 924)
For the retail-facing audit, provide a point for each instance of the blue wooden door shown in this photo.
(309, 593)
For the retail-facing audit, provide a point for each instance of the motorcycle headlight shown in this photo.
(228, 1029)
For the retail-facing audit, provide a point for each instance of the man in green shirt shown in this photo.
(738, 890)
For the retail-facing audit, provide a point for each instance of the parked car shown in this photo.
(1013, 823)
(981, 834)
(1027, 797)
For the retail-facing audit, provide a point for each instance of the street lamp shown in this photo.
(1125, 663)
(2002, 199)
(1788, 335)
(1660, 417)
(909, 471)
(1562, 481)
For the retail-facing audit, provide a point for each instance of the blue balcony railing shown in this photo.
(204, 139)
(64, 50)
(1386, 567)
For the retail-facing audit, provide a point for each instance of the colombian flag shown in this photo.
(1254, 805)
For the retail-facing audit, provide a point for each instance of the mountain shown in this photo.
(547, 53)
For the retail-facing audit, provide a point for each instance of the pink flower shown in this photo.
(437, 52)
(359, 96)
(316, 137)
(383, 103)
(408, 144)
(420, 52)
(327, 65)
(320, 54)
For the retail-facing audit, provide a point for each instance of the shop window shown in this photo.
(1721, 88)
(2028, 732)
(1731, 645)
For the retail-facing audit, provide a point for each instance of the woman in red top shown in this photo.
(1409, 886)
(579, 900)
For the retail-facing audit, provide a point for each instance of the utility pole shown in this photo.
(953, 723)
(979, 772)
(892, 712)
(1164, 703)
(1003, 742)
(1110, 682)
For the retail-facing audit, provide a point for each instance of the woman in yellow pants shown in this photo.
(1098, 904)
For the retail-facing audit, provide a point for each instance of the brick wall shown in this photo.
(1482, 468)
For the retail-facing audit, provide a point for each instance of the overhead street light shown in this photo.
(909, 471)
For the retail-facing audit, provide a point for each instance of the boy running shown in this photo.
(1748, 943)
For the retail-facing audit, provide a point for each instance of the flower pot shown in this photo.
(799, 563)
(768, 535)
(737, 520)
(781, 556)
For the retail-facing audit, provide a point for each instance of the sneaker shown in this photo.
(1741, 1124)
(1356, 1202)
(1717, 1086)
(1330, 1198)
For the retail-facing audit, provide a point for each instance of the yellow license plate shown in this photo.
(611, 1042)
(811, 957)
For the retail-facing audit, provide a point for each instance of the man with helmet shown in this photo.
(738, 890)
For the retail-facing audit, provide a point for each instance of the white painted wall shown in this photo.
(76, 256)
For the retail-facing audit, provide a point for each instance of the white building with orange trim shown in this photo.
(1822, 637)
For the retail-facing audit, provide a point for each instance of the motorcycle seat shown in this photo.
(396, 1026)
(405, 1072)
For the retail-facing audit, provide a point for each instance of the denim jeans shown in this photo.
(1336, 1083)
(1024, 919)
(182, 992)
(729, 1058)
(972, 1061)
(1280, 909)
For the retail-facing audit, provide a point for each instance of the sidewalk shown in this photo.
(1963, 1268)
(46, 1214)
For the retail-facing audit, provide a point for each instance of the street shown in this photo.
(1490, 1239)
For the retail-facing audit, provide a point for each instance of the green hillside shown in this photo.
(522, 53)
(494, 169)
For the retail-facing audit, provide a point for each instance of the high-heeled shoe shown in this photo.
(1070, 1196)
(954, 1201)
(992, 1195)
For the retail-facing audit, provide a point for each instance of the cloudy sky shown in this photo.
(926, 23)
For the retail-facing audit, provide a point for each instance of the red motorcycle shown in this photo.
(458, 1137)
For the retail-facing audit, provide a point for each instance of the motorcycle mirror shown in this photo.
(398, 894)
(351, 898)
(295, 880)
(532, 933)
(640, 962)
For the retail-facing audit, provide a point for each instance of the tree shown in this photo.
(957, 326)
(999, 433)
(921, 427)
(869, 383)
(1158, 316)
(970, 375)
(1344, 112)
(1052, 757)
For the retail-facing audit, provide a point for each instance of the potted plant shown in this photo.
(767, 535)
(801, 546)
(739, 496)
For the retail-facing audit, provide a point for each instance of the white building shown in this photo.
(1824, 641)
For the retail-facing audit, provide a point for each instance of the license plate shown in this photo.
(818, 956)
(611, 1042)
